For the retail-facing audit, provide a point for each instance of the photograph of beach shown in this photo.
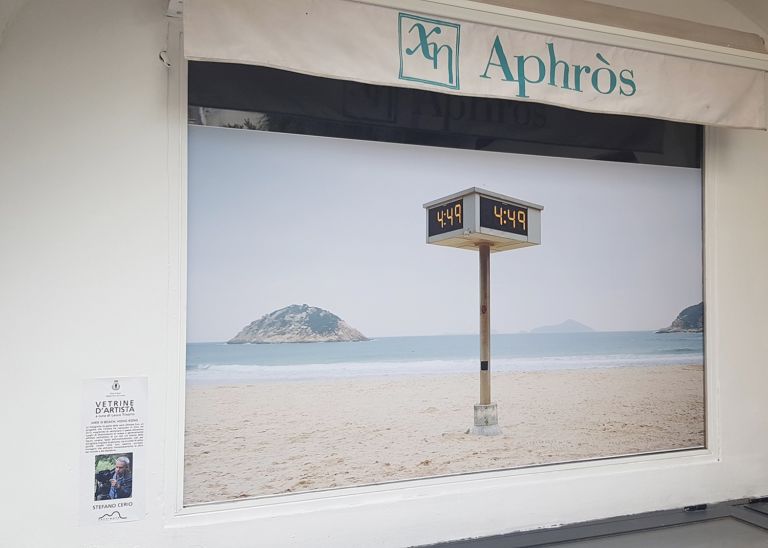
(329, 346)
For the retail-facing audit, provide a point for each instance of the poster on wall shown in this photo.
(112, 464)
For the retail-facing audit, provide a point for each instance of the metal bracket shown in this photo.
(175, 8)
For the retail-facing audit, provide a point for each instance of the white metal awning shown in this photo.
(382, 45)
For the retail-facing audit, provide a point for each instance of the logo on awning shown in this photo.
(429, 50)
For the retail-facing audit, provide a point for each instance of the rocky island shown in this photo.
(690, 320)
(297, 324)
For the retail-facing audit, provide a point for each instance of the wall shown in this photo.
(89, 285)
(84, 244)
(708, 12)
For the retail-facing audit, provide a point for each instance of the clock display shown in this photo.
(446, 217)
(503, 216)
(473, 217)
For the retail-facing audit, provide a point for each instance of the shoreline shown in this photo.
(196, 380)
(283, 436)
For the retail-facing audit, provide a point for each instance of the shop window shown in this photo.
(329, 346)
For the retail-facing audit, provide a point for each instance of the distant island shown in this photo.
(690, 320)
(568, 326)
(297, 324)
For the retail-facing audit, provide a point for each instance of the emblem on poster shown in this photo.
(429, 50)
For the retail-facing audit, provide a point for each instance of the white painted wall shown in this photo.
(755, 10)
(709, 12)
(83, 246)
(89, 287)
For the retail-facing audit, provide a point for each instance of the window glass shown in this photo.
(249, 97)
(330, 346)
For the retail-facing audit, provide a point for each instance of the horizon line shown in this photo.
(477, 334)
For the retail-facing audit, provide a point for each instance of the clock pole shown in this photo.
(476, 219)
(486, 413)
(485, 324)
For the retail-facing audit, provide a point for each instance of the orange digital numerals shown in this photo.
(511, 215)
(449, 215)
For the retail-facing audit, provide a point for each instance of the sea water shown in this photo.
(219, 363)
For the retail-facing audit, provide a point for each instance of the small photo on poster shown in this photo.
(113, 476)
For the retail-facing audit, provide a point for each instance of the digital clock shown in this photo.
(476, 216)
(485, 222)
(446, 217)
(502, 216)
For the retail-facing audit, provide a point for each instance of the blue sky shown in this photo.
(279, 219)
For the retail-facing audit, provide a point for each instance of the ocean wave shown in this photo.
(243, 373)
(681, 350)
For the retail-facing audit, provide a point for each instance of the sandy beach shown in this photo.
(279, 437)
